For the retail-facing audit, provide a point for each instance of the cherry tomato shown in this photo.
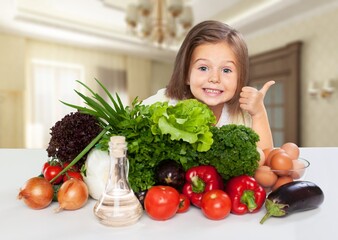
(51, 171)
(216, 204)
(161, 202)
(71, 174)
(45, 165)
(184, 204)
(72, 168)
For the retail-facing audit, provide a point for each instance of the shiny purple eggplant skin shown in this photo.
(293, 197)
(298, 196)
(170, 173)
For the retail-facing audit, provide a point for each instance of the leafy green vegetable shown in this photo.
(149, 142)
(182, 133)
(70, 135)
(151, 136)
(188, 120)
(234, 151)
(99, 108)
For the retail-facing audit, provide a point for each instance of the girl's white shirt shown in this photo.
(244, 118)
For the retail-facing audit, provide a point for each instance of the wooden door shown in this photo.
(282, 100)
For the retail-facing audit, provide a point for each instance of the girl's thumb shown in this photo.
(266, 87)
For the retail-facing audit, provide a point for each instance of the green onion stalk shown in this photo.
(82, 153)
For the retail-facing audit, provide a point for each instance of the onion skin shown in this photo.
(72, 195)
(37, 193)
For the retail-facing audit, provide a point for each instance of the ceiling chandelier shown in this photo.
(160, 22)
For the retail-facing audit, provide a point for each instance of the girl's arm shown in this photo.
(252, 100)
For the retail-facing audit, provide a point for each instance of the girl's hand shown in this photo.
(252, 100)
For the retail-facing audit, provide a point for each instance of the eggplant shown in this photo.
(170, 173)
(293, 197)
(141, 195)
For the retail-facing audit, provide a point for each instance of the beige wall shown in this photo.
(160, 76)
(12, 84)
(319, 62)
(139, 75)
(12, 62)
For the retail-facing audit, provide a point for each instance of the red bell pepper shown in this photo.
(245, 193)
(201, 179)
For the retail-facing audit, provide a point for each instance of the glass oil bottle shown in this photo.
(118, 206)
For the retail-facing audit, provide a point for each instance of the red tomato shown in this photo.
(72, 168)
(216, 204)
(71, 174)
(45, 165)
(184, 204)
(51, 171)
(161, 202)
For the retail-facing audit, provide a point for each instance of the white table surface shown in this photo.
(17, 221)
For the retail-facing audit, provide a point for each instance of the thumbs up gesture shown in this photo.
(252, 99)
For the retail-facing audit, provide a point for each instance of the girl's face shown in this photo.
(213, 74)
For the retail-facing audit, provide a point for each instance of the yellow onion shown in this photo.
(37, 193)
(72, 195)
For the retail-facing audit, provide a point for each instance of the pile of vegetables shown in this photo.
(147, 145)
(183, 133)
(204, 189)
(175, 154)
(61, 179)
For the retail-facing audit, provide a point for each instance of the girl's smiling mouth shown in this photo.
(213, 91)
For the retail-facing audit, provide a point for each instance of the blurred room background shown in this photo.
(46, 45)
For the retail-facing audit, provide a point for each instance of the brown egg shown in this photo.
(281, 162)
(261, 157)
(266, 153)
(265, 177)
(281, 181)
(271, 154)
(292, 149)
(298, 169)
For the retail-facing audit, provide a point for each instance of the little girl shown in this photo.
(212, 66)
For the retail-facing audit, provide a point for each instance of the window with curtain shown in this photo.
(51, 82)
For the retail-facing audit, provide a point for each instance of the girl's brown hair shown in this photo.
(209, 32)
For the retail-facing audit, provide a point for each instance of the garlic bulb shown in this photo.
(97, 171)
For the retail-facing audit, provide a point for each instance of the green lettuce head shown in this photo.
(189, 120)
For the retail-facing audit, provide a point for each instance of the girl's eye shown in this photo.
(227, 70)
(203, 68)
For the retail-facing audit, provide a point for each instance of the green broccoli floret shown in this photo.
(234, 151)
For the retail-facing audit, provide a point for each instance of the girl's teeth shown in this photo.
(212, 91)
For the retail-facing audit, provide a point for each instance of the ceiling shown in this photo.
(100, 23)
